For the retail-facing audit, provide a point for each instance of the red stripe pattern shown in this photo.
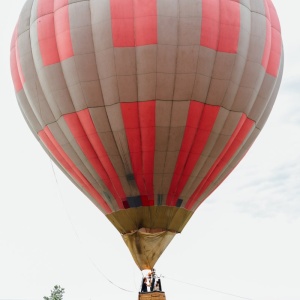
(200, 121)
(139, 123)
(169, 173)
(85, 134)
(236, 140)
(57, 151)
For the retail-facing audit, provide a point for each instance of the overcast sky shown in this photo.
(243, 241)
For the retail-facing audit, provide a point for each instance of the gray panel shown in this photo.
(167, 8)
(166, 59)
(26, 15)
(163, 113)
(127, 86)
(81, 30)
(189, 31)
(184, 84)
(100, 119)
(187, 57)
(165, 86)
(110, 90)
(258, 6)
(166, 34)
(125, 61)
(257, 39)
(190, 8)
(28, 113)
(201, 88)
(92, 93)
(217, 91)
(106, 63)
(161, 139)
(53, 85)
(146, 86)
(224, 64)
(32, 88)
(179, 113)
(86, 67)
(206, 61)
(146, 59)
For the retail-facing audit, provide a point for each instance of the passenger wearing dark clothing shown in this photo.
(144, 286)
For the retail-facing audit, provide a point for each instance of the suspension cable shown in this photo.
(83, 248)
(206, 288)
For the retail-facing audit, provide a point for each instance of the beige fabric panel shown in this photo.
(174, 140)
(104, 51)
(264, 116)
(166, 66)
(146, 247)
(32, 87)
(162, 217)
(28, 113)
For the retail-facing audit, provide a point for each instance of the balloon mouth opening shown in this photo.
(146, 272)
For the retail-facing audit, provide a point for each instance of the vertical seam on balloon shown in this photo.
(268, 40)
(102, 172)
(115, 135)
(201, 187)
(208, 113)
(237, 139)
(180, 164)
(148, 154)
(52, 145)
(276, 43)
(16, 67)
(246, 58)
(112, 174)
(37, 79)
(165, 174)
(127, 164)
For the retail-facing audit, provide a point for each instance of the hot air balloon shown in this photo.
(147, 105)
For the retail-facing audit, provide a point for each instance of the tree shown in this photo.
(56, 293)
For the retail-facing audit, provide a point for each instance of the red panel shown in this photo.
(60, 3)
(147, 122)
(240, 134)
(210, 24)
(63, 33)
(57, 151)
(122, 15)
(200, 122)
(84, 132)
(220, 28)
(134, 23)
(139, 123)
(276, 43)
(45, 7)
(15, 66)
(54, 48)
(46, 32)
(229, 26)
(145, 22)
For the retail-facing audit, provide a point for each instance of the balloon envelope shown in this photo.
(147, 105)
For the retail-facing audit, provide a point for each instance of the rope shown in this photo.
(83, 248)
(103, 275)
(206, 288)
